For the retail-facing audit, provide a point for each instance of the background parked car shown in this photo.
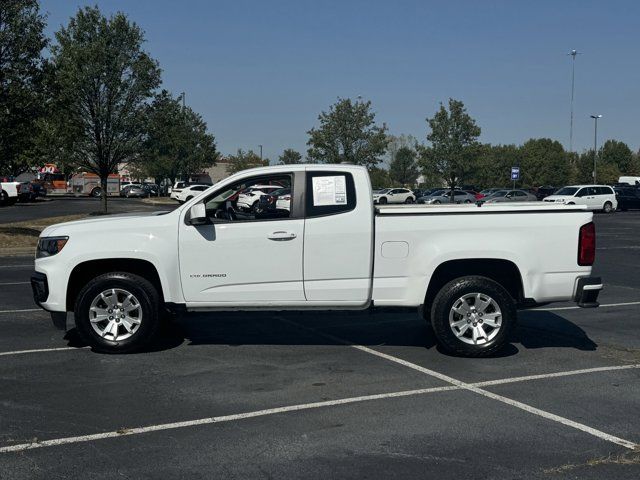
(277, 200)
(628, 197)
(152, 189)
(444, 196)
(39, 190)
(134, 191)
(490, 191)
(543, 192)
(250, 197)
(510, 196)
(191, 191)
(394, 195)
(595, 197)
(177, 188)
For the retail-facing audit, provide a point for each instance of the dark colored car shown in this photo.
(543, 192)
(152, 189)
(628, 197)
(39, 190)
(134, 191)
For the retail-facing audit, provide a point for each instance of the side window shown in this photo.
(251, 199)
(520, 194)
(329, 193)
(582, 192)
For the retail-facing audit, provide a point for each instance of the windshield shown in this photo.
(567, 191)
(384, 190)
(499, 193)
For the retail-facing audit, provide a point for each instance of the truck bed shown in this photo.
(470, 208)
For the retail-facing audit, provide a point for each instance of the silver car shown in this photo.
(510, 196)
(444, 196)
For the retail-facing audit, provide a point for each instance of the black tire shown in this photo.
(450, 294)
(96, 192)
(409, 200)
(4, 198)
(147, 297)
(189, 198)
(383, 201)
(571, 203)
(467, 201)
(607, 207)
(436, 202)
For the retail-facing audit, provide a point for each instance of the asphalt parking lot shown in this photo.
(325, 395)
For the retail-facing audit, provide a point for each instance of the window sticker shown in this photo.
(329, 190)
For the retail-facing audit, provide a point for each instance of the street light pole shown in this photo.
(573, 54)
(260, 152)
(595, 144)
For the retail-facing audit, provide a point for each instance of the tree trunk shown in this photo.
(103, 198)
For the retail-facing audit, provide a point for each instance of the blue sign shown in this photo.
(515, 173)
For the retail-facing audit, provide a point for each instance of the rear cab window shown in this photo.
(329, 193)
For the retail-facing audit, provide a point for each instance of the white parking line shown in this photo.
(40, 350)
(328, 403)
(14, 283)
(23, 310)
(479, 391)
(225, 418)
(575, 307)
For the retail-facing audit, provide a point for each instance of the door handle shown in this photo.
(281, 236)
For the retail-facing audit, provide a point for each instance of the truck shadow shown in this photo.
(399, 327)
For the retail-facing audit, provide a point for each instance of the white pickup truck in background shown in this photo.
(9, 192)
(467, 268)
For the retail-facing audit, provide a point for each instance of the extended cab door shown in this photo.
(244, 256)
(338, 236)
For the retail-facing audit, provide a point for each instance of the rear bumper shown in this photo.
(587, 292)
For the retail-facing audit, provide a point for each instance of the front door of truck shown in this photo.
(245, 255)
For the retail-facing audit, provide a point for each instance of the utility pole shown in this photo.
(183, 95)
(595, 144)
(260, 152)
(573, 54)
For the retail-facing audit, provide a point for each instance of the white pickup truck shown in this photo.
(9, 192)
(467, 268)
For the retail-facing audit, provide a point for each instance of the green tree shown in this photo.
(544, 162)
(105, 80)
(404, 168)
(454, 138)
(617, 154)
(243, 160)
(177, 142)
(21, 81)
(493, 165)
(379, 177)
(289, 157)
(347, 133)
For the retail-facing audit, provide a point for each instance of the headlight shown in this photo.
(49, 246)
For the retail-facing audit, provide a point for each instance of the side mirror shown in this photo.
(198, 215)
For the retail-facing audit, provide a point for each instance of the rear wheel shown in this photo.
(4, 198)
(96, 192)
(117, 312)
(472, 316)
(608, 207)
(409, 200)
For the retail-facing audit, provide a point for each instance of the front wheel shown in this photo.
(608, 207)
(96, 192)
(472, 316)
(383, 201)
(117, 312)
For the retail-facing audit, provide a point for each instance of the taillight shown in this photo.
(587, 245)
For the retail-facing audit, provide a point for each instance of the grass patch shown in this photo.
(24, 235)
(628, 458)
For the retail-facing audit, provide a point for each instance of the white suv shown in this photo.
(250, 197)
(187, 193)
(394, 195)
(595, 197)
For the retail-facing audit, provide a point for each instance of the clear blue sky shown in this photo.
(261, 71)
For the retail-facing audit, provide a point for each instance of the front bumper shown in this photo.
(587, 292)
(40, 287)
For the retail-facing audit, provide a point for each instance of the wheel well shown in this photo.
(504, 272)
(86, 271)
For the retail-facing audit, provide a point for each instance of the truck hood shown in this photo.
(97, 223)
